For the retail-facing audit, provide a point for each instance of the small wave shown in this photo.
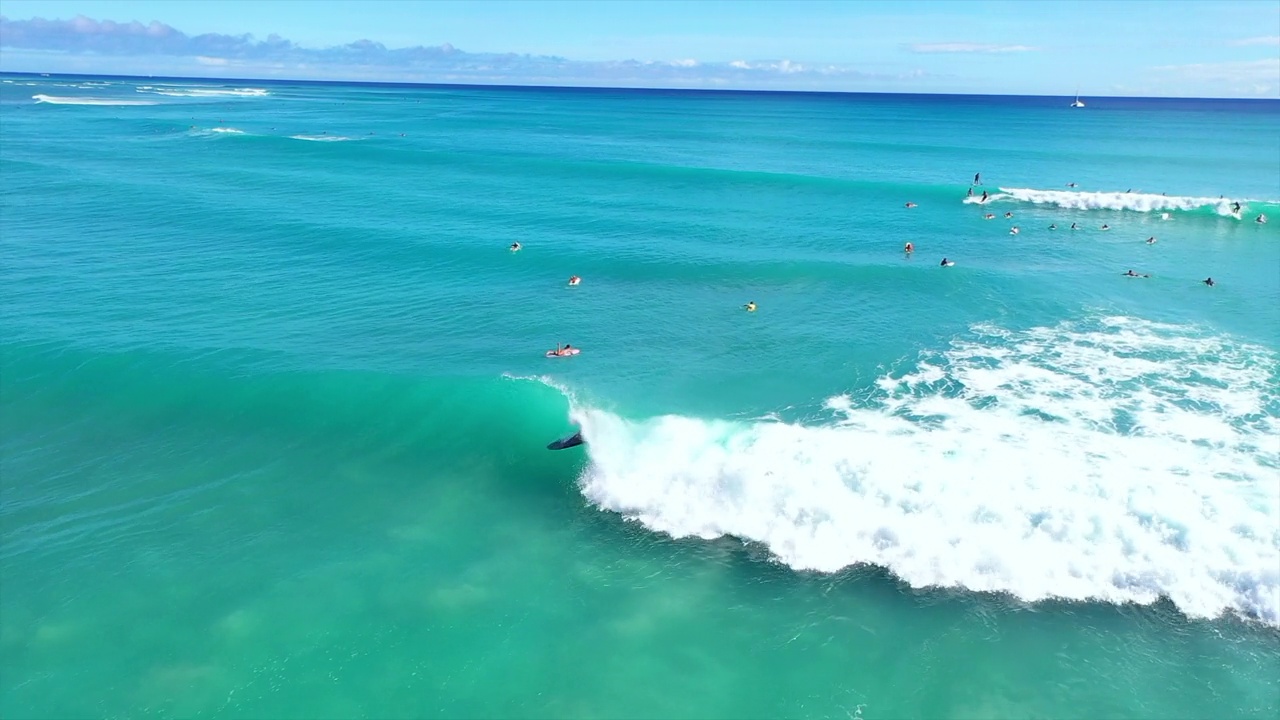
(1137, 202)
(226, 130)
(322, 138)
(203, 92)
(57, 100)
(1116, 460)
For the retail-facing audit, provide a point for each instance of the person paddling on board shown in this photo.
(1209, 282)
(1053, 226)
(1130, 273)
(908, 248)
(750, 307)
(515, 247)
(946, 263)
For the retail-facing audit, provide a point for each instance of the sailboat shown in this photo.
(1077, 102)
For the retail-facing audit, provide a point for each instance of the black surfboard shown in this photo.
(573, 440)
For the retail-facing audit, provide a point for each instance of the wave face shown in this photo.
(1135, 202)
(1118, 460)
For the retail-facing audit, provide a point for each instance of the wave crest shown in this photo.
(1136, 202)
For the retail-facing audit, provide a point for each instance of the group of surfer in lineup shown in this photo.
(910, 248)
(568, 350)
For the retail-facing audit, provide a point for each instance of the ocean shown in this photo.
(275, 403)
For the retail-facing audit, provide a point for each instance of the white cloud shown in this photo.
(205, 60)
(1271, 40)
(1256, 78)
(963, 47)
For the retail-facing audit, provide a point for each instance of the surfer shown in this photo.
(563, 351)
(1151, 240)
(1261, 219)
(946, 263)
(989, 216)
(908, 248)
(515, 247)
(1235, 207)
(969, 195)
(984, 196)
(1071, 185)
(1073, 226)
(1130, 273)
(1208, 281)
(977, 180)
(1106, 226)
(750, 307)
(574, 280)
(1008, 215)
(911, 204)
(1014, 230)
(1053, 226)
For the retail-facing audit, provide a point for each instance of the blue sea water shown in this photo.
(275, 402)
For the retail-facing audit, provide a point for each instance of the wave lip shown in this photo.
(63, 100)
(1136, 202)
(1115, 461)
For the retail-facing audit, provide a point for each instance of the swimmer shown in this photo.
(1008, 215)
(1054, 226)
(911, 205)
(750, 307)
(574, 280)
(1261, 219)
(989, 216)
(1106, 227)
(1151, 240)
(947, 263)
(908, 248)
(1130, 273)
(1209, 282)
(1014, 230)
(515, 247)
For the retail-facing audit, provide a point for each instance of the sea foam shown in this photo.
(62, 100)
(1136, 202)
(1117, 460)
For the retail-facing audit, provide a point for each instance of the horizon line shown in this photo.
(498, 86)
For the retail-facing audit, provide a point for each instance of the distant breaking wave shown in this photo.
(197, 92)
(1137, 202)
(1113, 460)
(321, 138)
(58, 100)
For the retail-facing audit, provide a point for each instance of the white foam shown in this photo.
(226, 130)
(56, 100)
(200, 92)
(1117, 460)
(1137, 202)
(321, 138)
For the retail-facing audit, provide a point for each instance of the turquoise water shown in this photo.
(275, 404)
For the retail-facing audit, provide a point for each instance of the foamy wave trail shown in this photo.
(322, 138)
(1137, 202)
(203, 92)
(1115, 460)
(60, 100)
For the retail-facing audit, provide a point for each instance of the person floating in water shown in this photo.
(1130, 273)
(1209, 282)
(1054, 226)
(908, 248)
(515, 247)
(750, 307)
(946, 263)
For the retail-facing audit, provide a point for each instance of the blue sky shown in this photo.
(1218, 48)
